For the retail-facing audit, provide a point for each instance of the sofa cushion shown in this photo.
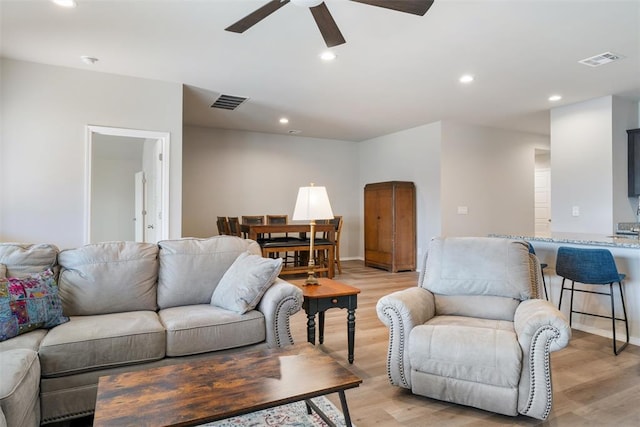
(30, 340)
(20, 387)
(245, 282)
(29, 303)
(467, 349)
(94, 342)
(190, 269)
(22, 259)
(203, 327)
(110, 277)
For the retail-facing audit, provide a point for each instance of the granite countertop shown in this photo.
(580, 239)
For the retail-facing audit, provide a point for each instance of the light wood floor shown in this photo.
(592, 387)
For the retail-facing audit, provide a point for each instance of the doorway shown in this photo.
(543, 194)
(126, 184)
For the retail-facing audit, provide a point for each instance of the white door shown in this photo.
(139, 203)
(543, 202)
(152, 163)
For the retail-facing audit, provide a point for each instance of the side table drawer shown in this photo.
(317, 305)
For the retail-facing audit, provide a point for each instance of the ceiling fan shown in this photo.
(327, 26)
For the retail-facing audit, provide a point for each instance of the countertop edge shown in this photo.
(577, 239)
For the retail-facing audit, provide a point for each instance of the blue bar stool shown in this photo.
(592, 267)
(542, 267)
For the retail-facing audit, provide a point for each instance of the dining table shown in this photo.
(300, 244)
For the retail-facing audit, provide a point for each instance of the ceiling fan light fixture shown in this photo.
(467, 78)
(65, 3)
(307, 3)
(327, 56)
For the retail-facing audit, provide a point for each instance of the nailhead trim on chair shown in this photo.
(387, 314)
(547, 369)
(296, 302)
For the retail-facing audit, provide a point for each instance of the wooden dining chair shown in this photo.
(223, 225)
(253, 219)
(234, 226)
(337, 223)
(281, 237)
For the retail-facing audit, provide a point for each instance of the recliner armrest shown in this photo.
(535, 314)
(541, 329)
(401, 311)
(278, 304)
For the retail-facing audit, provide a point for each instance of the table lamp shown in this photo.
(312, 204)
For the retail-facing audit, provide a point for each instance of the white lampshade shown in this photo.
(312, 203)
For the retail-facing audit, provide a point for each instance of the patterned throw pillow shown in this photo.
(29, 303)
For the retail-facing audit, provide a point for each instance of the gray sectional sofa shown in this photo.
(132, 306)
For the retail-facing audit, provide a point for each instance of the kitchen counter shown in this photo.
(620, 241)
(625, 250)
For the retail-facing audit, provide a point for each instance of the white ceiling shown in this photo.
(396, 70)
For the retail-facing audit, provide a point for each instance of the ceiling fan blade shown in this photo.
(256, 16)
(416, 7)
(327, 26)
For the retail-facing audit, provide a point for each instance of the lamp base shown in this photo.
(311, 279)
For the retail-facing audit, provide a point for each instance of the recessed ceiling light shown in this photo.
(90, 60)
(467, 78)
(327, 56)
(284, 120)
(554, 98)
(65, 3)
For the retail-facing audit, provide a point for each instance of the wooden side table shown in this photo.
(329, 294)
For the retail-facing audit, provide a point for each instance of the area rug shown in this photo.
(292, 415)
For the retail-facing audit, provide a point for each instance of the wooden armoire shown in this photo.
(390, 225)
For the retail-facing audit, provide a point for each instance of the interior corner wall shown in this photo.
(45, 110)
(235, 173)
(489, 174)
(582, 167)
(408, 155)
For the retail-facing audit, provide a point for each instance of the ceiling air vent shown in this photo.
(603, 58)
(228, 102)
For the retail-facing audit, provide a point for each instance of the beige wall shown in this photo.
(42, 157)
(235, 173)
(490, 172)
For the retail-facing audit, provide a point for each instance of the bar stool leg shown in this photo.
(561, 293)
(573, 285)
(616, 350)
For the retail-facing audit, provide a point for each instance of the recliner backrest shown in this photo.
(478, 276)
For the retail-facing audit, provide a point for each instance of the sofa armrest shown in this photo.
(401, 311)
(281, 300)
(541, 329)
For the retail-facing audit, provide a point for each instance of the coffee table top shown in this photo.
(326, 288)
(223, 386)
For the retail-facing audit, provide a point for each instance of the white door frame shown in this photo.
(164, 140)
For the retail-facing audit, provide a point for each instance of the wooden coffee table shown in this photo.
(197, 392)
(329, 294)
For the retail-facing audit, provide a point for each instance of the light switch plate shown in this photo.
(575, 211)
(463, 210)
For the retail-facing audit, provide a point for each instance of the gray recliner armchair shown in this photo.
(473, 331)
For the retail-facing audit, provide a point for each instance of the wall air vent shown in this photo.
(228, 102)
(603, 58)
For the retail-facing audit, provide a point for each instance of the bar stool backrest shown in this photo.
(590, 266)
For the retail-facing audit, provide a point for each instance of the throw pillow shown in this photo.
(3, 271)
(29, 303)
(245, 282)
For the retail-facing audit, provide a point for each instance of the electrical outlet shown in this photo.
(463, 210)
(575, 211)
